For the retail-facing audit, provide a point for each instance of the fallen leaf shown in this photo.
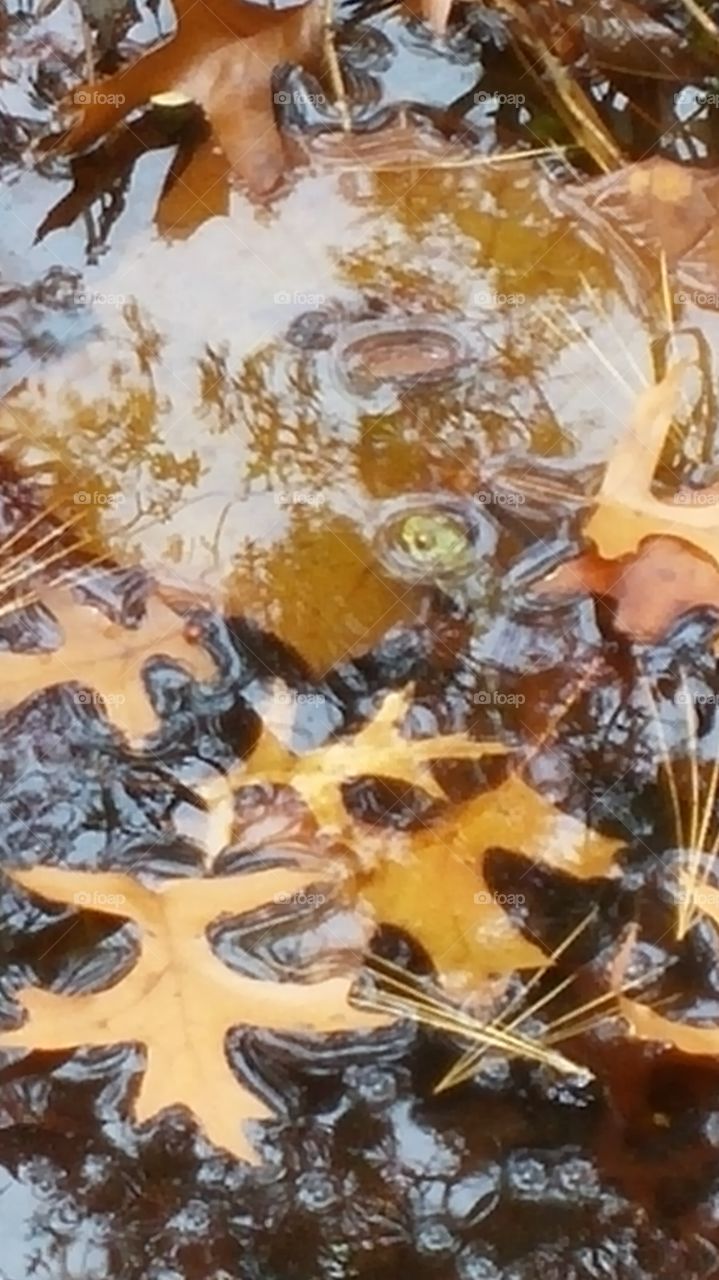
(105, 658)
(222, 57)
(195, 189)
(379, 749)
(664, 208)
(648, 591)
(613, 34)
(654, 558)
(649, 1025)
(180, 1000)
(428, 882)
(431, 883)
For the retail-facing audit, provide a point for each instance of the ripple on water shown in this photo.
(422, 536)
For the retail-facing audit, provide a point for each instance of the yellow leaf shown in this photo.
(379, 749)
(431, 883)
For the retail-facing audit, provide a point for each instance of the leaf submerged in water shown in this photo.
(105, 658)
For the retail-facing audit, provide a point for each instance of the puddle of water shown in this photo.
(210, 446)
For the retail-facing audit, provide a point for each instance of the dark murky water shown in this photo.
(329, 442)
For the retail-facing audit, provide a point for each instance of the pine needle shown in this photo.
(334, 68)
(406, 997)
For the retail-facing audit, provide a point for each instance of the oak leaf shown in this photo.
(180, 1000)
(426, 882)
(104, 658)
(654, 558)
(379, 749)
(664, 208)
(647, 591)
(432, 885)
(222, 57)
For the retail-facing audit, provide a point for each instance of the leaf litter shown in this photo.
(653, 559)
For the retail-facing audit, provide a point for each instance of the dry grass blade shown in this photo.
(694, 835)
(601, 311)
(570, 1030)
(25, 570)
(595, 350)
(17, 562)
(687, 900)
(20, 602)
(568, 98)
(702, 18)
(666, 761)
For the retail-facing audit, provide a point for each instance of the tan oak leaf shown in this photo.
(379, 749)
(105, 658)
(180, 1001)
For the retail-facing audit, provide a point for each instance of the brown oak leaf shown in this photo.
(647, 591)
(222, 57)
(179, 1000)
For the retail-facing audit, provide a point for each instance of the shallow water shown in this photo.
(179, 401)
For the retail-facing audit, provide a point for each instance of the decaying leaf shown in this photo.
(647, 591)
(378, 749)
(430, 883)
(104, 658)
(655, 559)
(663, 208)
(222, 57)
(180, 1001)
(616, 35)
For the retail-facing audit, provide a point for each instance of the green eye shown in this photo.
(438, 542)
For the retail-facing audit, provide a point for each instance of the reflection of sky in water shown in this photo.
(240, 460)
(218, 290)
(25, 1207)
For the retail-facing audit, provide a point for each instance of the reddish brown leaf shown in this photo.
(648, 591)
(222, 56)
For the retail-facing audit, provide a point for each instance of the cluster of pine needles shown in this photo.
(400, 994)
(22, 566)
(696, 830)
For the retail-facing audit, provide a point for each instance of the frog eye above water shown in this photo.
(436, 540)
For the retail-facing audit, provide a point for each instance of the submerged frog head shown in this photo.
(437, 540)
